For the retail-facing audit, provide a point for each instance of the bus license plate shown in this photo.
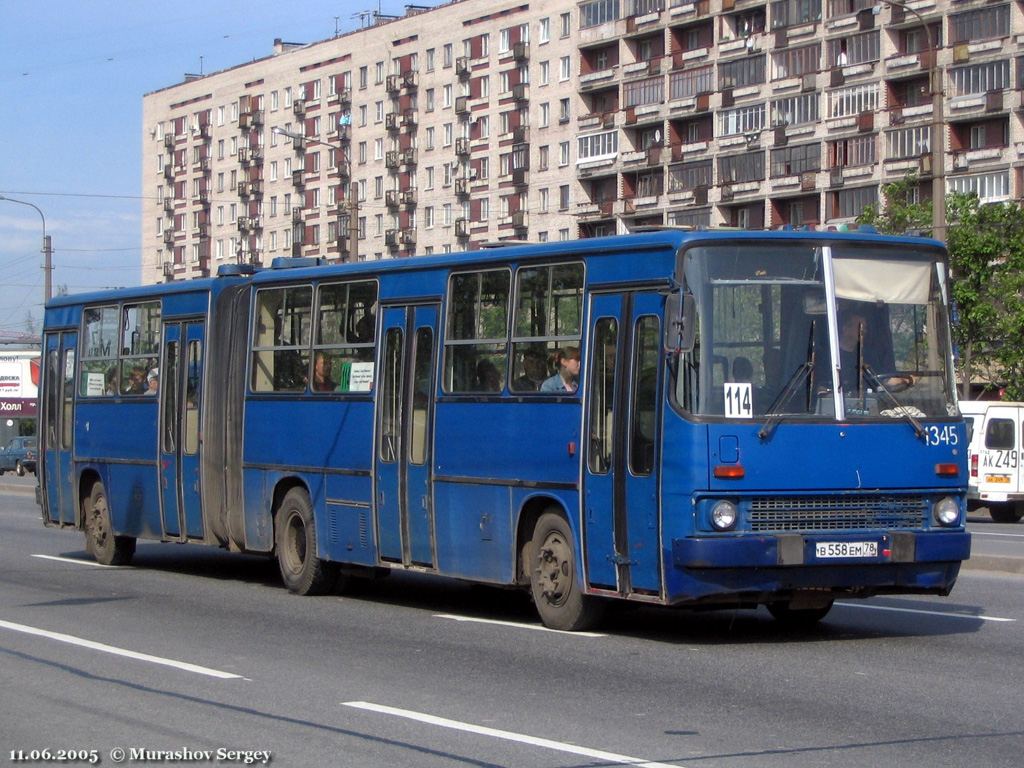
(827, 549)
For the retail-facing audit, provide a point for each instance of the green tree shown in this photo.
(899, 214)
(986, 248)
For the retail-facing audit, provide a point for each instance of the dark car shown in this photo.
(19, 456)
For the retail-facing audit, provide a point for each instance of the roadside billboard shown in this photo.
(19, 384)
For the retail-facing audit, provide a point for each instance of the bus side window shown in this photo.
(643, 422)
(602, 395)
(476, 338)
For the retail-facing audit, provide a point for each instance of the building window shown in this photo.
(989, 187)
(854, 49)
(852, 202)
(980, 78)
(592, 14)
(691, 82)
(748, 70)
(689, 176)
(564, 68)
(792, 161)
(596, 146)
(854, 100)
(980, 24)
(795, 110)
(795, 62)
(791, 13)
(640, 92)
(563, 150)
(733, 122)
(852, 152)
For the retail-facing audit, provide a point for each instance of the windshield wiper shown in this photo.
(801, 373)
(900, 408)
(775, 416)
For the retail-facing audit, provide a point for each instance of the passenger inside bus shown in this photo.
(487, 376)
(567, 364)
(322, 381)
(535, 371)
(153, 382)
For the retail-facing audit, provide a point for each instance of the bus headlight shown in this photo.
(946, 511)
(723, 515)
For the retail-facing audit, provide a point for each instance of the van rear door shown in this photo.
(999, 454)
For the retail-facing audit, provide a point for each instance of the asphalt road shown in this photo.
(194, 650)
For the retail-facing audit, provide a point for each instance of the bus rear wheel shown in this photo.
(556, 590)
(295, 529)
(798, 618)
(100, 541)
(1010, 512)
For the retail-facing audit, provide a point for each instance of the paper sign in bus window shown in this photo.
(738, 400)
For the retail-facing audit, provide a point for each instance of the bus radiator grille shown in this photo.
(827, 513)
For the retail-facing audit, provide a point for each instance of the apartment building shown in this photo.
(484, 120)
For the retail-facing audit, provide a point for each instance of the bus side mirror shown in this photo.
(680, 322)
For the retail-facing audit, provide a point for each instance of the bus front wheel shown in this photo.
(100, 541)
(295, 529)
(556, 590)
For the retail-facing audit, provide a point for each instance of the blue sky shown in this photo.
(72, 77)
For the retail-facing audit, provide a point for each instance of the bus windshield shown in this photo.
(771, 319)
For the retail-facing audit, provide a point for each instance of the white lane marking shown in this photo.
(72, 640)
(987, 533)
(76, 562)
(944, 614)
(516, 624)
(522, 738)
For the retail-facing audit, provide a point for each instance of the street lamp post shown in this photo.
(47, 250)
(353, 201)
(937, 125)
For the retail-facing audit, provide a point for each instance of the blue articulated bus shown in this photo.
(702, 418)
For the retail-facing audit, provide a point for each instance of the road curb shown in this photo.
(994, 563)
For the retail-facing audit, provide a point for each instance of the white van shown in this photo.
(995, 433)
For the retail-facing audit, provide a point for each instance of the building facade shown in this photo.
(482, 120)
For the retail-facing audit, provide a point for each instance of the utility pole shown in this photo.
(353, 219)
(47, 268)
(47, 251)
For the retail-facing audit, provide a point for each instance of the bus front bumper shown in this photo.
(783, 550)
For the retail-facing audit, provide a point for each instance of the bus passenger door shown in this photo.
(55, 440)
(181, 377)
(622, 461)
(405, 397)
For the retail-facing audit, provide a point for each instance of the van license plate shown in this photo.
(827, 549)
